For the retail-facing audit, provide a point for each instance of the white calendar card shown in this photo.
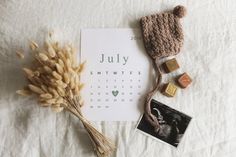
(117, 74)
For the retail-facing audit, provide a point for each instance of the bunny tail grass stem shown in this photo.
(102, 145)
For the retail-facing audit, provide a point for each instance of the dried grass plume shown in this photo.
(55, 78)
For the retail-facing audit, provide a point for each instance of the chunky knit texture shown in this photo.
(163, 37)
(162, 33)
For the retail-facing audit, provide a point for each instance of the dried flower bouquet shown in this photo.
(55, 79)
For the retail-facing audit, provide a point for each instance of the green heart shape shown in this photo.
(115, 92)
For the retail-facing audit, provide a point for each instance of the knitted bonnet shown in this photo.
(163, 37)
(162, 33)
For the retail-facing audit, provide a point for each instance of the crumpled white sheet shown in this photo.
(27, 130)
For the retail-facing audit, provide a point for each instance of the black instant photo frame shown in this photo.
(173, 124)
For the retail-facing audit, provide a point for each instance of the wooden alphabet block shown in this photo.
(169, 90)
(170, 65)
(184, 80)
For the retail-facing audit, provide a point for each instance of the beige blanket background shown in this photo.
(209, 56)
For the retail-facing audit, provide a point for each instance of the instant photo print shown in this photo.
(173, 124)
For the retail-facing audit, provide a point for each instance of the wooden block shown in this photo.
(184, 80)
(171, 65)
(169, 90)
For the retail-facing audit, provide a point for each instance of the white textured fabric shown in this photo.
(209, 56)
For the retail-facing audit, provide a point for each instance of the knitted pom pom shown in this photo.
(180, 11)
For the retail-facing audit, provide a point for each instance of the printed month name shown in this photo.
(113, 59)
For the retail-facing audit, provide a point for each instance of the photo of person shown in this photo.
(172, 124)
